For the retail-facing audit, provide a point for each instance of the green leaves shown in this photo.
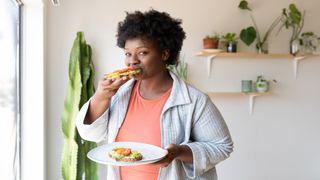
(230, 37)
(80, 89)
(294, 19)
(294, 14)
(181, 69)
(244, 5)
(248, 35)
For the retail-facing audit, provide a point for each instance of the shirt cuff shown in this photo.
(95, 131)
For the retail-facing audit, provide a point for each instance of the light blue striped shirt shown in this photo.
(189, 117)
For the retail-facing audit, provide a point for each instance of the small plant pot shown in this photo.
(231, 47)
(262, 86)
(210, 43)
(246, 86)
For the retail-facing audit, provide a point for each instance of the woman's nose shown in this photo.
(133, 60)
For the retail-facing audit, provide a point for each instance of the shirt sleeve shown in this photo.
(211, 141)
(95, 131)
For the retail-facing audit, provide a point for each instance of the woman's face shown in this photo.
(141, 53)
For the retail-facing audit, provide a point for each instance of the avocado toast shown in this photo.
(125, 154)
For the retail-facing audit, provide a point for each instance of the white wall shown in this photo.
(278, 142)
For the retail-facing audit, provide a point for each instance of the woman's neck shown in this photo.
(154, 87)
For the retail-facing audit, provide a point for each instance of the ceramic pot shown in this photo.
(210, 43)
(262, 86)
(231, 47)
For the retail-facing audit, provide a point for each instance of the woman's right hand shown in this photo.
(101, 98)
(108, 87)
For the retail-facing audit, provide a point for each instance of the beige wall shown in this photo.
(279, 141)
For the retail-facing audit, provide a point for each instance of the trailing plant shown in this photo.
(249, 34)
(292, 18)
(309, 42)
(75, 163)
(260, 78)
(181, 69)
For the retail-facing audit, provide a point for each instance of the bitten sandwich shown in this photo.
(129, 71)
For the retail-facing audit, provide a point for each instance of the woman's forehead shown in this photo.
(139, 42)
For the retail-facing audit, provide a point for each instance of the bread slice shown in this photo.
(125, 155)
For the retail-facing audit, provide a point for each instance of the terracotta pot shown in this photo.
(210, 43)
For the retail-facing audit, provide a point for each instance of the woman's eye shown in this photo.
(142, 53)
(127, 54)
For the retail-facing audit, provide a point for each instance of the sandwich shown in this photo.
(129, 71)
(125, 154)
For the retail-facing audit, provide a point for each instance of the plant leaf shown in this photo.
(294, 15)
(248, 35)
(244, 5)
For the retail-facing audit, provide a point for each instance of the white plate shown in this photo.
(212, 50)
(150, 153)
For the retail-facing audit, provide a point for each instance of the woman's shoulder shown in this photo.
(188, 90)
(196, 93)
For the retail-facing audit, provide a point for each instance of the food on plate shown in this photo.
(129, 71)
(125, 154)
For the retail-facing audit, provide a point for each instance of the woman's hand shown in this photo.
(101, 98)
(108, 87)
(173, 152)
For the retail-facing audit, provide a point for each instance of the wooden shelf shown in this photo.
(213, 94)
(251, 95)
(211, 55)
(245, 55)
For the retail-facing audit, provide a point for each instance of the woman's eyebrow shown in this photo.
(139, 47)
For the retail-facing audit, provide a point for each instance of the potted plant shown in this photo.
(262, 85)
(211, 41)
(181, 69)
(293, 18)
(248, 35)
(230, 40)
(309, 42)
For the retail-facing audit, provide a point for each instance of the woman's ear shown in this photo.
(165, 54)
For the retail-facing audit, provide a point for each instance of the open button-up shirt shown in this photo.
(189, 117)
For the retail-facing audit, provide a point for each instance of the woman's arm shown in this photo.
(100, 101)
(211, 141)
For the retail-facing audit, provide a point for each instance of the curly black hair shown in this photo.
(164, 31)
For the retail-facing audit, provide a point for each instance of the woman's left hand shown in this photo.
(173, 152)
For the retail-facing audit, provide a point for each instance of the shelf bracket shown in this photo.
(209, 62)
(251, 103)
(295, 65)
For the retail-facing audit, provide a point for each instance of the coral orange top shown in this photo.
(142, 124)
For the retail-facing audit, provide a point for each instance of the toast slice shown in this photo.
(125, 155)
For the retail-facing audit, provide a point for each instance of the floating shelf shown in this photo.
(251, 95)
(244, 55)
(211, 55)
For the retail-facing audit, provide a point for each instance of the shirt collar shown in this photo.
(179, 93)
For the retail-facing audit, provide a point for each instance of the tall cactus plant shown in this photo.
(75, 164)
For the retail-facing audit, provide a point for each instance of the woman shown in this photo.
(156, 107)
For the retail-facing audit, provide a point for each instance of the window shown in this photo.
(10, 89)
